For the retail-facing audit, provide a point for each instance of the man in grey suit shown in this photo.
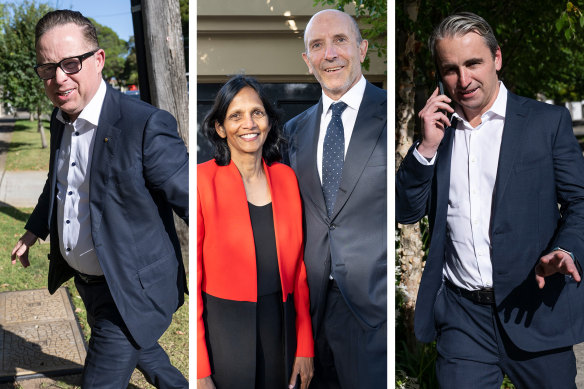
(338, 150)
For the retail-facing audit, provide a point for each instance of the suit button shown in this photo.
(332, 226)
(68, 248)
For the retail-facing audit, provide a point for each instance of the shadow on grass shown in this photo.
(7, 126)
(13, 212)
(4, 146)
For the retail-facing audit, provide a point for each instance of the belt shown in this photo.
(480, 296)
(90, 279)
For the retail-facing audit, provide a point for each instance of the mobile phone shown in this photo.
(440, 87)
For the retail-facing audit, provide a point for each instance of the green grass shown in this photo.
(25, 151)
(14, 277)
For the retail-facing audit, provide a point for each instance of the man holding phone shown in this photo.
(501, 290)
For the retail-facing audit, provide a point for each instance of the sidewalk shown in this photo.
(20, 189)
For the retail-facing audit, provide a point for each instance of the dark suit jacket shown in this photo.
(227, 273)
(139, 174)
(540, 166)
(356, 234)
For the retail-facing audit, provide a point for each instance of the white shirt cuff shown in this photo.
(423, 160)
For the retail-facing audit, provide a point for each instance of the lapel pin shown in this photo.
(106, 140)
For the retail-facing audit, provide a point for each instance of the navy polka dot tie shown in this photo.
(333, 156)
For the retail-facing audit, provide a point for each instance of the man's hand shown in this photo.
(21, 248)
(205, 383)
(305, 367)
(434, 121)
(554, 262)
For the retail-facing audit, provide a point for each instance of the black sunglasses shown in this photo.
(70, 65)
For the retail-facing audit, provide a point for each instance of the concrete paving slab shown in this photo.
(21, 188)
(39, 335)
(579, 351)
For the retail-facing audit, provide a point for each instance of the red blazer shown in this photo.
(225, 241)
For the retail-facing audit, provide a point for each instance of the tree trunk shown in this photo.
(167, 74)
(40, 128)
(410, 251)
(166, 61)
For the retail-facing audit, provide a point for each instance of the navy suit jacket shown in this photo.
(538, 204)
(138, 176)
(356, 234)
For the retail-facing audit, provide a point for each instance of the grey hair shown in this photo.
(461, 24)
(353, 21)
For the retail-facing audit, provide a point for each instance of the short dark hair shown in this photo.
(271, 148)
(460, 24)
(64, 16)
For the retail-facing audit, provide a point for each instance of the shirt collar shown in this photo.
(499, 107)
(92, 110)
(352, 97)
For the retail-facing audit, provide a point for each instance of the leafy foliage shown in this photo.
(541, 43)
(372, 13)
(115, 49)
(21, 87)
(130, 73)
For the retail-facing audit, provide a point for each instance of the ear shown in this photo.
(498, 59)
(307, 61)
(100, 59)
(363, 49)
(220, 130)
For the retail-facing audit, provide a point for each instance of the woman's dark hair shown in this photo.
(271, 148)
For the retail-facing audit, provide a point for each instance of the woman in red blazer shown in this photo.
(253, 319)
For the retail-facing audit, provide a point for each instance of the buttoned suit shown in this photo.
(540, 167)
(138, 176)
(353, 240)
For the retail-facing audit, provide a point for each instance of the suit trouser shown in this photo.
(348, 355)
(475, 352)
(113, 355)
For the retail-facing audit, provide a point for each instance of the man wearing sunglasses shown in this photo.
(117, 171)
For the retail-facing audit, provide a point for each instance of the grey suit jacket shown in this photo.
(354, 238)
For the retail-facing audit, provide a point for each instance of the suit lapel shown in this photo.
(370, 123)
(104, 152)
(306, 160)
(513, 131)
(57, 128)
(443, 165)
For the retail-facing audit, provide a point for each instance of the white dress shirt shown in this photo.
(353, 99)
(73, 177)
(473, 171)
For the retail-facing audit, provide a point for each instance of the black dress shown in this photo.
(270, 359)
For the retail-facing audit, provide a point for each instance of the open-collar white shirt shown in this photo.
(473, 171)
(73, 177)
